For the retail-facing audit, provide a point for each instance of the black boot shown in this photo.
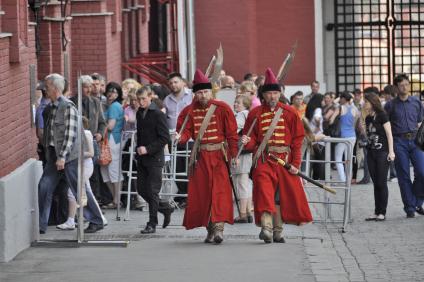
(166, 209)
(149, 229)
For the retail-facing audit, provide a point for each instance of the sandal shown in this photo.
(110, 206)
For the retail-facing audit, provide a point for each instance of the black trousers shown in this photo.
(378, 166)
(149, 183)
(318, 169)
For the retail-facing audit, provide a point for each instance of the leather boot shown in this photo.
(209, 237)
(218, 232)
(277, 221)
(166, 209)
(266, 224)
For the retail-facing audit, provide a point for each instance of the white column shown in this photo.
(191, 39)
(182, 38)
(319, 54)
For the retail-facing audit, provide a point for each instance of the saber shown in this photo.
(248, 134)
(288, 166)
(284, 69)
(211, 63)
(217, 65)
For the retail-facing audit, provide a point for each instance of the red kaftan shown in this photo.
(209, 188)
(268, 176)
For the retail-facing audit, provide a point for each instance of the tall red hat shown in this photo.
(200, 81)
(271, 83)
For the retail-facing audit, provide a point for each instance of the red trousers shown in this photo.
(209, 192)
(267, 178)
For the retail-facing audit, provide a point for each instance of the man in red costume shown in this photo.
(210, 201)
(278, 194)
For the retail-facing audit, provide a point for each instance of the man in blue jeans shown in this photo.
(59, 139)
(406, 114)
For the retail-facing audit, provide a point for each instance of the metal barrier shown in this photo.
(345, 186)
(130, 173)
(170, 175)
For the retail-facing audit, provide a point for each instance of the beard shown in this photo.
(203, 102)
(272, 104)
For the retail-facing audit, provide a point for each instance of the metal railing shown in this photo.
(323, 197)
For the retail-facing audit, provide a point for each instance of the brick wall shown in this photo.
(94, 35)
(135, 31)
(257, 34)
(98, 36)
(17, 137)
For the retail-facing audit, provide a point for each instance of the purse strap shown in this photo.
(105, 137)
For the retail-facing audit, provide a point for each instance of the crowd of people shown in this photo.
(381, 127)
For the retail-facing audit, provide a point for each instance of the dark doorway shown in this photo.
(158, 38)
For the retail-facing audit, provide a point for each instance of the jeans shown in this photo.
(406, 151)
(378, 166)
(48, 183)
(341, 149)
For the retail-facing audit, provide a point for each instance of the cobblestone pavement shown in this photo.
(368, 251)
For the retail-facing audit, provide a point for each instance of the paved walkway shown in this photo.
(369, 251)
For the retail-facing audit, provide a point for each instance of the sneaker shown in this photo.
(380, 217)
(394, 180)
(371, 218)
(66, 226)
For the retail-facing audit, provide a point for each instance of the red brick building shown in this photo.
(141, 38)
(257, 34)
(65, 37)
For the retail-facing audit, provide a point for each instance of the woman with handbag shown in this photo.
(380, 152)
(114, 116)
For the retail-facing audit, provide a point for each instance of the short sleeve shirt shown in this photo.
(377, 138)
(115, 112)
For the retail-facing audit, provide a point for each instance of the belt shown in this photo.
(279, 149)
(211, 147)
(407, 135)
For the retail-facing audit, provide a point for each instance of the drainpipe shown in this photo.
(191, 40)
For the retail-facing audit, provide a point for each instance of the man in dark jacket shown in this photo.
(93, 111)
(152, 136)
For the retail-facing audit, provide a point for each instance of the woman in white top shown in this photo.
(314, 115)
(240, 174)
(88, 171)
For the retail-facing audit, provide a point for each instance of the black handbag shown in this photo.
(419, 139)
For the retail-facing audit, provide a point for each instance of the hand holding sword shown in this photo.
(246, 138)
(177, 135)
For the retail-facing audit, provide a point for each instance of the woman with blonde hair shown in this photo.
(249, 88)
(240, 174)
(127, 86)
